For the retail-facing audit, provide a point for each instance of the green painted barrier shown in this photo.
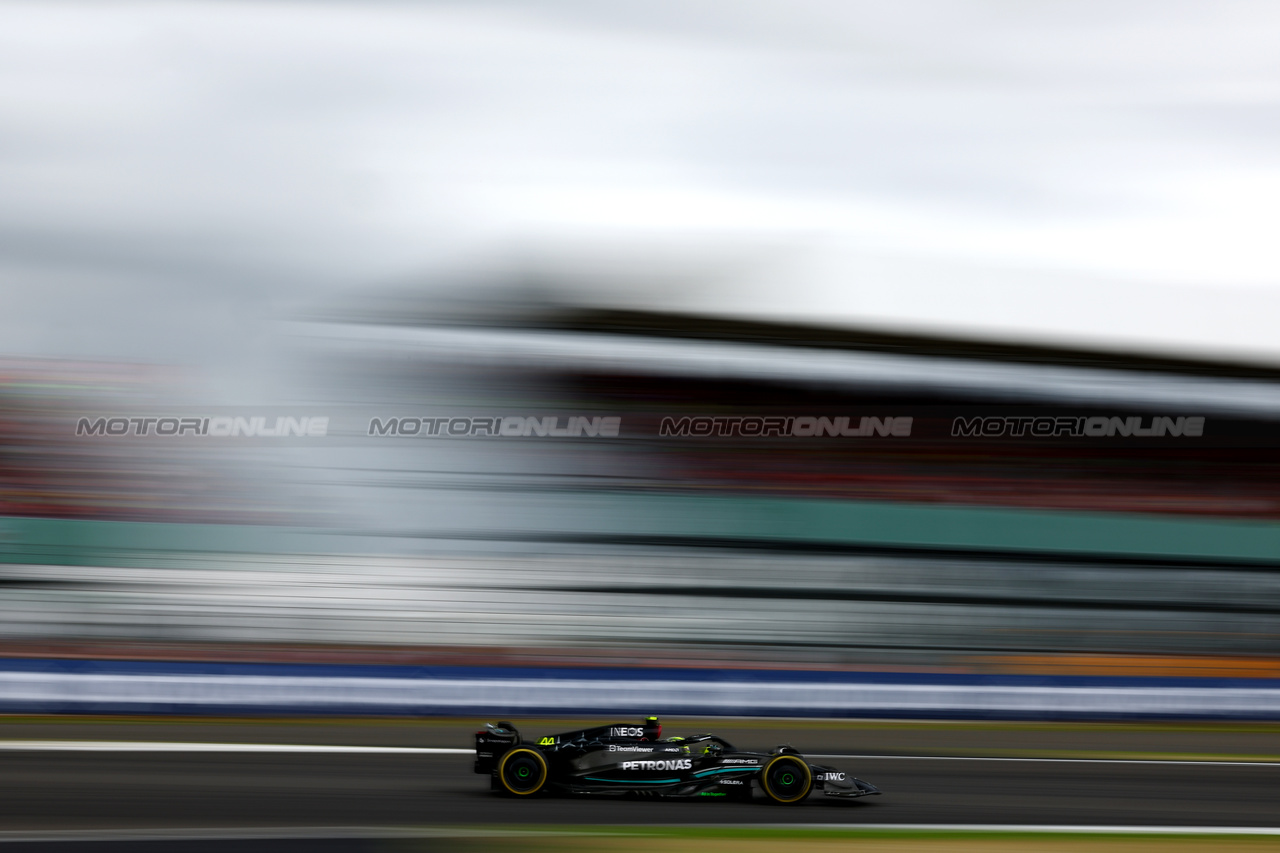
(970, 528)
(731, 518)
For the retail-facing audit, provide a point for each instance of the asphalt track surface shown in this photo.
(86, 790)
(173, 790)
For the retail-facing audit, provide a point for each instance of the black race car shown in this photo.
(628, 759)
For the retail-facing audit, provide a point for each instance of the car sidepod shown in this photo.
(628, 768)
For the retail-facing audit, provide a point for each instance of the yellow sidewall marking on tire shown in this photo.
(790, 759)
(502, 766)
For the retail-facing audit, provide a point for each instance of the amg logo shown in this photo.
(741, 761)
(626, 731)
(1077, 425)
(668, 764)
(831, 777)
(801, 427)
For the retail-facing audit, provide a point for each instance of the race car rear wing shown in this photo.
(492, 742)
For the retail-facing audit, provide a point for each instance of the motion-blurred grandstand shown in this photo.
(928, 551)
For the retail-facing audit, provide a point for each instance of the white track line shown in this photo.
(1030, 827)
(182, 746)
(1193, 762)
(175, 746)
(260, 833)
(329, 832)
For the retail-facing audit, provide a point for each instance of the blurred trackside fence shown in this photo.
(71, 687)
(846, 584)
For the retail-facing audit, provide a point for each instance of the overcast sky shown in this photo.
(175, 176)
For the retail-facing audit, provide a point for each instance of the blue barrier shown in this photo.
(133, 687)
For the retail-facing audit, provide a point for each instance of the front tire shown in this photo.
(522, 772)
(786, 779)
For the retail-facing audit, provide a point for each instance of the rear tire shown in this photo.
(522, 772)
(786, 779)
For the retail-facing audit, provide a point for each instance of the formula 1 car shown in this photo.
(626, 759)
